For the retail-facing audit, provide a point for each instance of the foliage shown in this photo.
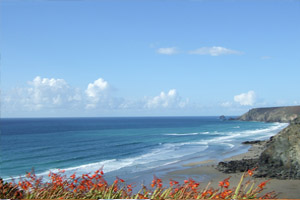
(8, 190)
(94, 186)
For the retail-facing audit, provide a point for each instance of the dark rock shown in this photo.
(222, 117)
(281, 158)
(237, 165)
(252, 142)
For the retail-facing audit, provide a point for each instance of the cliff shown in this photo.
(281, 158)
(272, 114)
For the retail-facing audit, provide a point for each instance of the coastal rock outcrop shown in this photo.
(235, 166)
(272, 114)
(281, 158)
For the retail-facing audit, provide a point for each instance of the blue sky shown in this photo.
(72, 58)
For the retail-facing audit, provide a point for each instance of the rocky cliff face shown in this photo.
(273, 114)
(281, 159)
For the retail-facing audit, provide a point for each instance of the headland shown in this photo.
(277, 158)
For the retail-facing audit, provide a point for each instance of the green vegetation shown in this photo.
(95, 186)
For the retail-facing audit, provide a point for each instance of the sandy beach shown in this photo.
(206, 171)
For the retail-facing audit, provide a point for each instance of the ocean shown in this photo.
(133, 148)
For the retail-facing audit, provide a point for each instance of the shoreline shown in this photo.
(206, 172)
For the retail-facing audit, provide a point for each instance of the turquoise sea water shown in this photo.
(131, 147)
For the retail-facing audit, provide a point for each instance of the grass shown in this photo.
(94, 186)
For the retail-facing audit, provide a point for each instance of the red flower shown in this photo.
(221, 183)
(250, 172)
(73, 176)
(116, 181)
(263, 184)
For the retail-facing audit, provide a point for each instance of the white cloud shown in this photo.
(167, 51)
(246, 99)
(95, 89)
(51, 96)
(214, 51)
(166, 100)
(97, 92)
(42, 93)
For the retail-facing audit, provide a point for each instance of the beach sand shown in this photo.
(206, 172)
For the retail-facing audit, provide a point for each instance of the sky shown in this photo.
(98, 58)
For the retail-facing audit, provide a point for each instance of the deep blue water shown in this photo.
(130, 146)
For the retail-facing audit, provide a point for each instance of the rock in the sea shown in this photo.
(222, 117)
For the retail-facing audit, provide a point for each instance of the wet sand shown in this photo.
(206, 172)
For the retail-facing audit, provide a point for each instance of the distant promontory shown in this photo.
(278, 157)
(272, 114)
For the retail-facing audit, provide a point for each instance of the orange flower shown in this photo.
(100, 184)
(226, 184)
(209, 192)
(221, 183)
(158, 181)
(115, 189)
(195, 185)
(263, 184)
(28, 174)
(73, 176)
(250, 172)
(81, 187)
(101, 172)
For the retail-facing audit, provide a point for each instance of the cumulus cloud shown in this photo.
(56, 96)
(246, 99)
(94, 90)
(166, 100)
(43, 93)
(167, 51)
(97, 92)
(214, 51)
